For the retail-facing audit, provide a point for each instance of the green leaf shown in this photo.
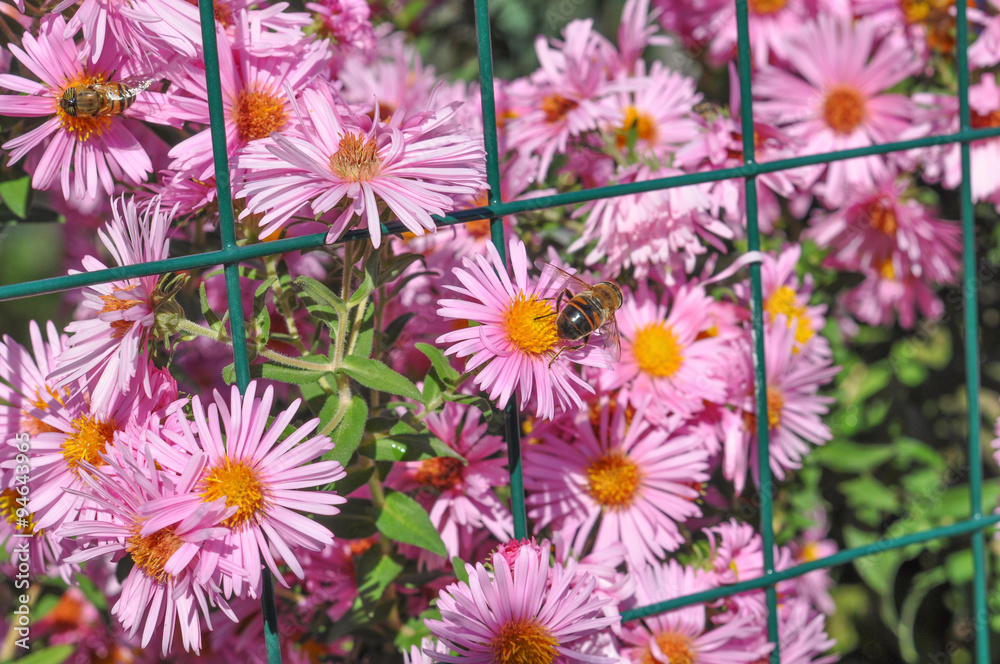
(53, 655)
(210, 317)
(91, 592)
(347, 435)
(404, 443)
(846, 456)
(364, 290)
(458, 566)
(404, 520)
(433, 389)
(285, 374)
(376, 376)
(15, 195)
(326, 304)
(375, 571)
(484, 405)
(879, 570)
(395, 328)
(439, 362)
(366, 336)
(354, 521)
(869, 498)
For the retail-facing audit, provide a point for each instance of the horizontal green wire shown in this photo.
(218, 257)
(839, 558)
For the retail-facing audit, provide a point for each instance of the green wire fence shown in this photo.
(231, 255)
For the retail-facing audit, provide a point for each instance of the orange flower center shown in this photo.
(356, 159)
(531, 325)
(524, 641)
(882, 217)
(89, 438)
(258, 113)
(641, 123)
(775, 404)
(241, 484)
(657, 350)
(886, 269)
(764, 7)
(556, 108)
(677, 648)
(150, 553)
(844, 109)
(115, 302)
(81, 127)
(442, 473)
(986, 121)
(613, 481)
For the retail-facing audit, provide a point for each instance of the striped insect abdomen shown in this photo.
(580, 317)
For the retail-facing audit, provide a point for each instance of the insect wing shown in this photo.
(560, 280)
(612, 342)
(132, 85)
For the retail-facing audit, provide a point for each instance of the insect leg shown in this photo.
(576, 347)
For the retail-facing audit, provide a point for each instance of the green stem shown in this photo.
(190, 327)
(281, 303)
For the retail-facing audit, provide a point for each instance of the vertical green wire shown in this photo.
(971, 307)
(227, 226)
(757, 318)
(512, 424)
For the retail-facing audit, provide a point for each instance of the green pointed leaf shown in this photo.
(356, 477)
(376, 376)
(326, 305)
(404, 443)
(375, 571)
(15, 195)
(439, 361)
(210, 317)
(347, 436)
(458, 566)
(285, 374)
(404, 520)
(364, 290)
(354, 521)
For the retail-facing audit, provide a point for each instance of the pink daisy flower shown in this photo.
(836, 99)
(567, 97)
(875, 225)
(770, 21)
(664, 230)
(516, 340)
(669, 362)
(416, 168)
(245, 464)
(784, 295)
(616, 472)
(894, 291)
(76, 433)
(85, 154)
(105, 349)
(172, 581)
(459, 496)
(657, 110)
(526, 611)
(255, 98)
(685, 635)
(794, 409)
(347, 24)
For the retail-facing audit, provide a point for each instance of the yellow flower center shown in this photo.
(8, 510)
(556, 108)
(613, 481)
(657, 350)
(81, 127)
(151, 553)
(886, 269)
(356, 158)
(524, 642)
(882, 218)
(809, 552)
(763, 7)
(530, 325)
(31, 424)
(677, 648)
(241, 485)
(442, 473)
(89, 438)
(844, 109)
(257, 113)
(785, 301)
(643, 124)
(115, 302)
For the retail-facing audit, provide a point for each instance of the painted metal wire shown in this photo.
(230, 256)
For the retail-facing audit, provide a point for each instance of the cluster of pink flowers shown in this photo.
(641, 432)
